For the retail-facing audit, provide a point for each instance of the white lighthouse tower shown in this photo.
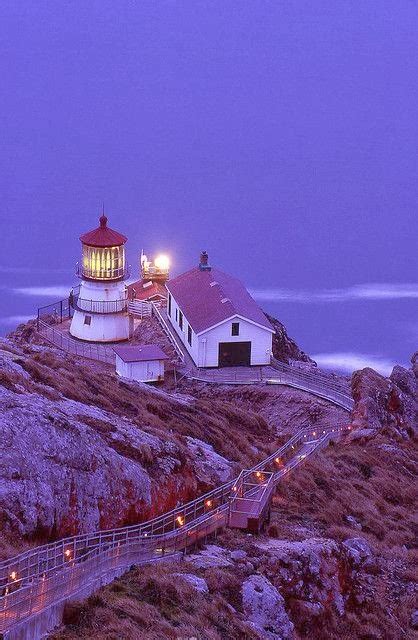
(100, 305)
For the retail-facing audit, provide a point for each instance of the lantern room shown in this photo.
(103, 254)
(100, 303)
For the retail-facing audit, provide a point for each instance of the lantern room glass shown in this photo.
(103, 263)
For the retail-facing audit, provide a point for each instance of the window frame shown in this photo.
(235, 329)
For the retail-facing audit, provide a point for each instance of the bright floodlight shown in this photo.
(162, 262)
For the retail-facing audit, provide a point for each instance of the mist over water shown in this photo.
(342, 333)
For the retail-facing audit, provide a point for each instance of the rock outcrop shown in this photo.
(284, 348)
(384, 404)
(70, 466)
(264, 609)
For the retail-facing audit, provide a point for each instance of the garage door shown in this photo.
(234, 354)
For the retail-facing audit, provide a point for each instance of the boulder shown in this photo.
(208, 465)
(238, 554)
(264, 609)
(358, 550)
(210, 556)
(385, 404)
(198, 584)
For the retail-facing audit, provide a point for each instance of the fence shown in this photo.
(164, 325)
(288, 376)
(93, 351)
(56, 312)
(140, 308)
(313, 375)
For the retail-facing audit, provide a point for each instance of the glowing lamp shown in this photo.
(208, 503)
(67, 553)
(180, 521)
(13, 576)
(162, 262)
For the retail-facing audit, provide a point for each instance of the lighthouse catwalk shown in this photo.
(100, 306)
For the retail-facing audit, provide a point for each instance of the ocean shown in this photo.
(343, 329)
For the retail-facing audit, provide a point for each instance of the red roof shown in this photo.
(146, 290)
(103, 236)
(140, 353)
(208, 297)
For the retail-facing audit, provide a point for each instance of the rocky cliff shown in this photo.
(386, 404)
(81, 449)
(284, 348)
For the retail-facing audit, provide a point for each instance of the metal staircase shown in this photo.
(40, 578)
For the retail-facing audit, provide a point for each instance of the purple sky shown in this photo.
(280, 136)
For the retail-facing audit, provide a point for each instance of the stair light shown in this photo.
(180, 521)
(13, 576)
(208, 503)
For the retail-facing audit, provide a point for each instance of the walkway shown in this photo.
(40, 580)
(310, 380)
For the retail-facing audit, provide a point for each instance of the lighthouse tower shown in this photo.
(100, 305)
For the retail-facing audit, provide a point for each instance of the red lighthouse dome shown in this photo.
(103, 254)
(103, 236)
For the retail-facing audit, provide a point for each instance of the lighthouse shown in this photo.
(100, 304)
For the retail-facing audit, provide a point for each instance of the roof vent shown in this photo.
(213, 284)
(203, 264)
(225, 300)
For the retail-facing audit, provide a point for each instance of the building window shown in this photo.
(189, 335)
(169, 304)
(87, 320)
(176, 314)
(180, 320)
(235, 329)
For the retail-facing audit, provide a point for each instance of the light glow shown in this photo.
(162, 262)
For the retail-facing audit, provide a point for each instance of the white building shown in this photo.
(100, 303)
(217, 320)
(144, 363)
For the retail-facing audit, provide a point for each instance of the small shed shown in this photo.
(144, 363)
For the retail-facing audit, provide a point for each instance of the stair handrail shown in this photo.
(167, 330)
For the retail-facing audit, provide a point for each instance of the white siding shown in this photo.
(146, 371)
(205, 346)
(261, 342)
(193, 348)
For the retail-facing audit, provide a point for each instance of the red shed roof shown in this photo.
(208, 297)
(140, 353)
(103, 236)
(146, 290)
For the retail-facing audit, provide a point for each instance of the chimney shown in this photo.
(203, 264)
